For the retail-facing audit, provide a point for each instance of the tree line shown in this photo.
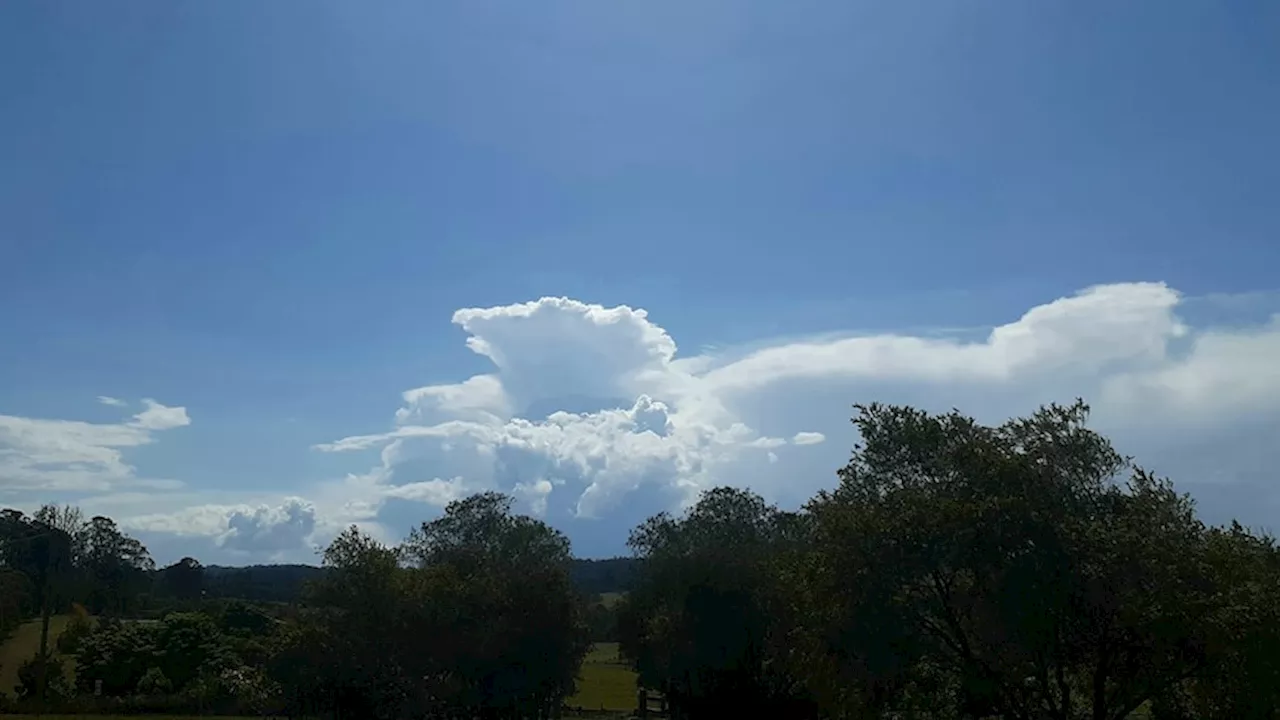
(1024, 571)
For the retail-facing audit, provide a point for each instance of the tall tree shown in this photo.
(1007, 567)
(117, 565)
(499, 600)
(704, 622)
(43, 554)
(70, 520)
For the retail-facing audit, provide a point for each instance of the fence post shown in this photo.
(642, 703)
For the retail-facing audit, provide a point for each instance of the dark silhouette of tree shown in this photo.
(474, 614)
(118, 566)
(183, 580)
(705, 613)
(1006, 568)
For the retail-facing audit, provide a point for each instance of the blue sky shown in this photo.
(264, 217)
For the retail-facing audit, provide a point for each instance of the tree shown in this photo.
(704, 622)
(346, 652)
(498, 597)
(184, 579)
(117, 565)
(1005, 568)
(118, 654)
(43, 553)
(1241, 675)
(15, 599)
(70, 520)
(474, 614)
(188, 644)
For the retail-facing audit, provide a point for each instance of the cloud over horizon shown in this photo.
(685, 424)
(591, 413)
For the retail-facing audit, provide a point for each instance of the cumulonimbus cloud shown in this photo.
(592, 412)
(642, 416)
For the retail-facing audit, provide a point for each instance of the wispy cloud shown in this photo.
(44, 455)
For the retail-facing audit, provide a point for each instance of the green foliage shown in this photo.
(498, 595)
(959, 570)
(72, 637)
(241, 618)
(602, 621)
(190, 643)
(1004, 570)
(119, 654)
(16, 600)
(117, 565)
(707, 610)
(475, 612)
(154, 682)
(55, 678)
(183, 580)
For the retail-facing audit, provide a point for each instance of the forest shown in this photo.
(954, 570)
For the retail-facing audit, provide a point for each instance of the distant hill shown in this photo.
(262, 583)
(596, 577)
(283, 583)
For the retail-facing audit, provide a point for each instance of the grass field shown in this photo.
(605, 683)
(23, 645)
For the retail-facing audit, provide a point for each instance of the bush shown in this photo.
(118, 654)
(250, 687)
(154, 682)
(72, 638)
(56, 684)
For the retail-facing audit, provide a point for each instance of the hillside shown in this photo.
(283, 583)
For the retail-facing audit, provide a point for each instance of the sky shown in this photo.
(271, 269)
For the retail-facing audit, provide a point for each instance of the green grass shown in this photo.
(604, 654)
(23, 645)
(605, 682)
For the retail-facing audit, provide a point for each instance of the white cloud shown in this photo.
(159, 417)
(270, 529)
(69, 455)
(433, 492)
(808, 438)
(641, 417)
(534, 494)
(590, 412)
(480, 397)
(113, 402)
(267, 529)
(1078, 336)
(1225, 373)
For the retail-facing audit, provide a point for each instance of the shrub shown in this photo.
(118, 654)
(154, 682)
(56, 685)
(72, 638)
